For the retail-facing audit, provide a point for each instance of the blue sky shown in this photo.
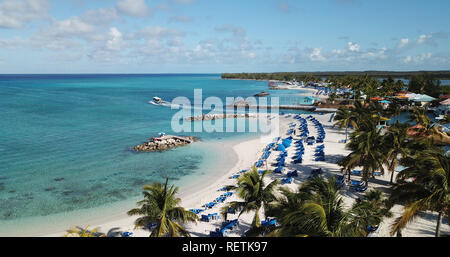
(214, 36)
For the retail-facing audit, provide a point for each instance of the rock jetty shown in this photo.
(228, 116)
(164, 143)
(262, 94)
(221, 116)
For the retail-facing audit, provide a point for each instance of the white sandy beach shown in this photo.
(248, 153)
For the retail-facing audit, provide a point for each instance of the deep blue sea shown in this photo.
(65, 140)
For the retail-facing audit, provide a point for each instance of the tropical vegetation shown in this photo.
(160, 211)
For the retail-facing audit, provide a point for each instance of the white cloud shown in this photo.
(101, 16)
(403, 42)
(423, 38)
(158, 32)
(115, 42)
(427, 39)
(14, 13)
(316, 55)
(137, 8)
(353, 47)
(73, 26)
(235, 30)
(417, 59)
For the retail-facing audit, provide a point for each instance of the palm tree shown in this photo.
(160, 207)
(396, 144)
(370, 210)
(366, 151)
(423, 186)
(344, 118)
(316, 209)
(419, 116)
(83, 232)
(255, 196)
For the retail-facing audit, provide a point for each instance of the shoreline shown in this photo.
(55, 225)
(246, 153)
(189, 197)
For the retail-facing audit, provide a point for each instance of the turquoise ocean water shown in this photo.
(65, 140)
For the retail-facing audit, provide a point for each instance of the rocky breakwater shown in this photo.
(221, 116)
(164, 143)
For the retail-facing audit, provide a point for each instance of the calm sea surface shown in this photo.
(65, 139)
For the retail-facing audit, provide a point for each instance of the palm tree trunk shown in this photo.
(365, 177)
(256, 221)
(392, 176)
(346, 128)
(438, 225)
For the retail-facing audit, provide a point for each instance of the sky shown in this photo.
(216, 36)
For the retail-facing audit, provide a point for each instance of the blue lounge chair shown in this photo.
(278, 170)
(320, 159)
(286, 180)
(269, 222)
(204, 218)
(127, 234)
(317, 171)
(361, 188)
(298, 160)
(372, 228)
(356, 183)
(293, 174)
(356, 172)
(231, 211)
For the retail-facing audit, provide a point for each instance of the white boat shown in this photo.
(158, 101)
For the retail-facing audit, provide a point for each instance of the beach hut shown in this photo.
(420, 98)
(309, 100)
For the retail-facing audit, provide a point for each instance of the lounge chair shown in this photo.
(293, 174)
(298, 160)
(317, 171)
(127, 234)
(286, 180)
(269, 222)
(356, 172)
(355, 183)
(278, 170)
(372, 228)
(204, 218)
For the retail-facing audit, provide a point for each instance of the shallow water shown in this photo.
(66, 139)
